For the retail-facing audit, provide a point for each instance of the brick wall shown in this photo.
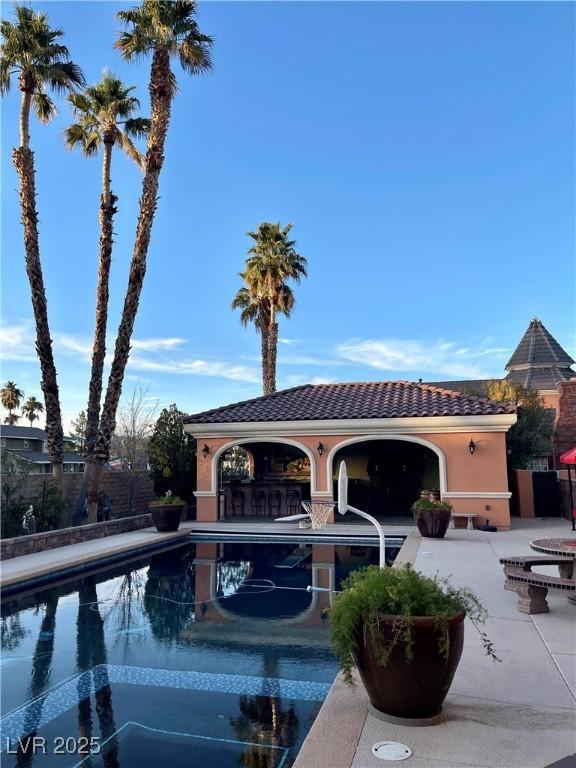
(115, 484)
(565, 425)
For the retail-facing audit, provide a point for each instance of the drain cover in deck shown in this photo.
(391, 750)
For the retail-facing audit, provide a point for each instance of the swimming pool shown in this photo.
(212, 654)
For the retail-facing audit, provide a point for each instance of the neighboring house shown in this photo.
(30, 444)
(541, 364)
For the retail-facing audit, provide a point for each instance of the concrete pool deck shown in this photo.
(520, 713)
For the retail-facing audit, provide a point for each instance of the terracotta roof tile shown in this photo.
(363, 400)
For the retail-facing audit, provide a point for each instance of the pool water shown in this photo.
(208, 654)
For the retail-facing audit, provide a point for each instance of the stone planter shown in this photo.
(433, 523)
(412, 692)
(166, 517)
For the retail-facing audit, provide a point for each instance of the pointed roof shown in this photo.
(538, 348)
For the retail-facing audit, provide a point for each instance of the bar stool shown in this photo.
(258, 503)
(293, 502)
(238, 503)
(274, 503)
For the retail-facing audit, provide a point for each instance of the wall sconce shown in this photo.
(320, 449)
(471, 447)
(205, 450)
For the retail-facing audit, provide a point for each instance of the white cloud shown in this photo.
(297, 379)
(154, 345)
(17, 342)
(195, 367)
(425, 358)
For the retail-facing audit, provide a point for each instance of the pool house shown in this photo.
(259, 458)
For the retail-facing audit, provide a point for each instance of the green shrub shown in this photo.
(371, 592)
(421, 504)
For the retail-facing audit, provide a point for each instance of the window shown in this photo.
(25, 443)
(3, 442)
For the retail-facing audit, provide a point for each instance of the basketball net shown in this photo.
(319, 512)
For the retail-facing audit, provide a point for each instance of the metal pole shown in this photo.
(381, 534)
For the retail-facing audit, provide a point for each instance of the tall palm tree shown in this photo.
(31, 408)
(272, 260)
(10, 397)
(166, 29)
(105, 118)
(30, 49)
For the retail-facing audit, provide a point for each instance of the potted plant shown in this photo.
(432, 517)
(404, 631)
(167, 512)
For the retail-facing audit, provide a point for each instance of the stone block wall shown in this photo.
(40, 542)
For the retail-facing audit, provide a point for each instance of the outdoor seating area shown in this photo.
(532, 588)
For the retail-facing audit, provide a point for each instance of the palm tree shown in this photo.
(104, 114)
(272, 260)
(164, 28)
(31, 408)
(10, 397)
(30, 49)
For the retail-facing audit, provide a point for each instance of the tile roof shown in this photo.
(363, 400)
(541, 378)
(538, 347)
(477, 387)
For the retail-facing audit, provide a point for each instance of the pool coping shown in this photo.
(41, 568)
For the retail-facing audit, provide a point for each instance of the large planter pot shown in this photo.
(433, 523)
(166, 517)
(411, 692)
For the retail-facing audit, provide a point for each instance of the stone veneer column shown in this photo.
(565, 425)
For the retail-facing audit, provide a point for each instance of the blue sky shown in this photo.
(423, 151)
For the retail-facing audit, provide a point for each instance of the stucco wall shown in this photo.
(460, 472)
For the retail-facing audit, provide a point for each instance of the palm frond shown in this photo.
(137, 127)
(44, 107)
(127, 146)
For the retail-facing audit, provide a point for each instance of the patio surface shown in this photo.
(520, 713)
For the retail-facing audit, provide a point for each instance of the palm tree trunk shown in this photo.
(23, 159)
(25, 119)
(107, 211)
(272, 347)
(264, 348)
(160, 103)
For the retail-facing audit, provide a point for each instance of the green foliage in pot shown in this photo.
(167, 500)
(421, 505)
(371, 593)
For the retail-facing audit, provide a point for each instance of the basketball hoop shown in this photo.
(319, 512)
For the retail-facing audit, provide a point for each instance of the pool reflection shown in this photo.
(213, 644)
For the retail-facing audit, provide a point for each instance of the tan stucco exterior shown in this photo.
(471, 483)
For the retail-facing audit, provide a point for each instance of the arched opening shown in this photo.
(385, 477)
(262, 480)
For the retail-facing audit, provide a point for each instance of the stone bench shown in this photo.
(469, 524)
(532, 589)
(525, 563)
